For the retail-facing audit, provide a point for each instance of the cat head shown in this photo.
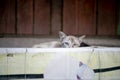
(69, 41)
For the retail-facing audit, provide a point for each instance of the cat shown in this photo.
(65, 41)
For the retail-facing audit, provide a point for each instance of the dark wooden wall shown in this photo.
(37, 17)
(91, 17)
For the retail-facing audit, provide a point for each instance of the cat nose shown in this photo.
(72, 46)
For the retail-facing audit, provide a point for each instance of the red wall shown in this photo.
(34, 17)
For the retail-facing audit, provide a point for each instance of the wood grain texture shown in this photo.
(87, 17)
(69, 17)
(7, 20)
(107, 17)
(24, 16)
(79, 17)
(41, 16)
(56, 16)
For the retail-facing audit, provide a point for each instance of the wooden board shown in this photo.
(24, 16)
(69, 25)
(79, 17)
(87, 17)
(42, 17)
(56, 16)
(107, 17)
(7, 13)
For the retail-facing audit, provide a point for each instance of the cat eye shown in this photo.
(66, 43)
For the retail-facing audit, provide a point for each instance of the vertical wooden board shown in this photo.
(41, 16)
(87, 17)
(69, 25)
(56, 16)
(2, 14)
(107, 17)
(7, 13)
(10, 23)
(24, 16)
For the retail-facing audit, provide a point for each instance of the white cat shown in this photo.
(64, 42)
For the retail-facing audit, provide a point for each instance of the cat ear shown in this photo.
(62, 35)
(81, 38)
